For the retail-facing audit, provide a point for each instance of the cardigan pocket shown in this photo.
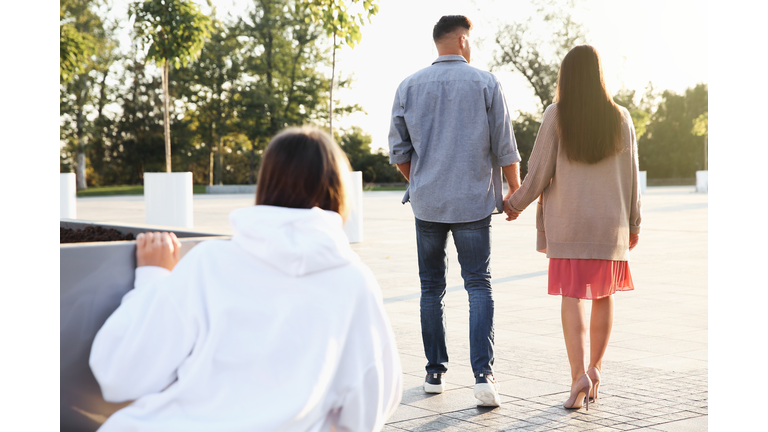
(540, 216)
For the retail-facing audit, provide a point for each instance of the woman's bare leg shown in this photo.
(601, 323)
(575, 333)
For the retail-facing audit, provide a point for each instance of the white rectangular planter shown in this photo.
(168, 199)
(643, 179)
(353, 226)
(702, 181)
(67, 196)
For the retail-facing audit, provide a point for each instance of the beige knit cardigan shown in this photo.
(585, 211)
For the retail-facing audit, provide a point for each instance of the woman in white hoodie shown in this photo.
(282, 328)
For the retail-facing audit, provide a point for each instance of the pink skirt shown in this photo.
(588, 278)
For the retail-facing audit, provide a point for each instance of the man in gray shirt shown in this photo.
(451, 137)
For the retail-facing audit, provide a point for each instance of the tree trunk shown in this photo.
(210, 168)
(80, 163)
(166, 118)
(330, 101)
(219, 151)
(81, 184)
(252, 173)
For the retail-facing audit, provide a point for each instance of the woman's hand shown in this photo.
(157, 249)
(633, 239)
(512, 214)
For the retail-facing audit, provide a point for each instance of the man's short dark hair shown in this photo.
(448, 24)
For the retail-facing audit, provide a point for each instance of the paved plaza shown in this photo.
(655, 370)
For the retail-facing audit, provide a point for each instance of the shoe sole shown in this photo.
(486, 395)
(434, 388)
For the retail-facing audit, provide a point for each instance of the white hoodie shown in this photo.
(280, 329)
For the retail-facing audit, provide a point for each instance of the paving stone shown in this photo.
(695, 424)
(624, 426)
(407, 412)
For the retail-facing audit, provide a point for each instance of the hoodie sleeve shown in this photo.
(140, 346)
(374, 394)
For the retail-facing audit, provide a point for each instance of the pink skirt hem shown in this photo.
(588, 279)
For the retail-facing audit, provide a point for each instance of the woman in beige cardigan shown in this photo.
(584, 171)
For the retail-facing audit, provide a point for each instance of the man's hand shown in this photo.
(157, 249)
(405, 169)
(633, 240)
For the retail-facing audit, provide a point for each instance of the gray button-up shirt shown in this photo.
(450, 120)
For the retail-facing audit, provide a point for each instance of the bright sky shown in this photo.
(661, 41)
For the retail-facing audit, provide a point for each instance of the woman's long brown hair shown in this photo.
(589, 119)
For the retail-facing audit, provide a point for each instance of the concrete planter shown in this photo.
(93, 279)
(702, 181)
(67, 196)
(353, 227)
(168, 199)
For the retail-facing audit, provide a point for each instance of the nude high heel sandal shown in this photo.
(579, 393)
(594, 376)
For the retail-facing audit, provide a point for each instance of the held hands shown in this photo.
(157, 249)
(633, 240)
(511, 213)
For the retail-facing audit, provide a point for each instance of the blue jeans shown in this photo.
(473, 245)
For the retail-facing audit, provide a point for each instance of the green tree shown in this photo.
(83, 91)
(138, 146)
(701, 125)
(670, 148)
(343, 27)
(640, 112)
(536, 54)
(76, 43)
(282, 83)
(525, 128)
(134, 144)
(701, 129)
(210, 90)
(520, 48)
(374, 165)
(280, 63)
(174, 31)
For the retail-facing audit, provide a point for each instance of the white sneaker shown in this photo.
(434, 383)
(487, 391)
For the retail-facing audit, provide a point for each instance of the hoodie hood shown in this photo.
(295, 241)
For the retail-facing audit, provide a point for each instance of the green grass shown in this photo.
(376, 188)
(125, 190)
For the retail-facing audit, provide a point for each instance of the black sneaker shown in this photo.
(434, 383)
(487, 390)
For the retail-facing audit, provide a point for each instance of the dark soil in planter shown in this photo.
(92, 233)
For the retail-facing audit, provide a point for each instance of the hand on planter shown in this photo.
(157, 249)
